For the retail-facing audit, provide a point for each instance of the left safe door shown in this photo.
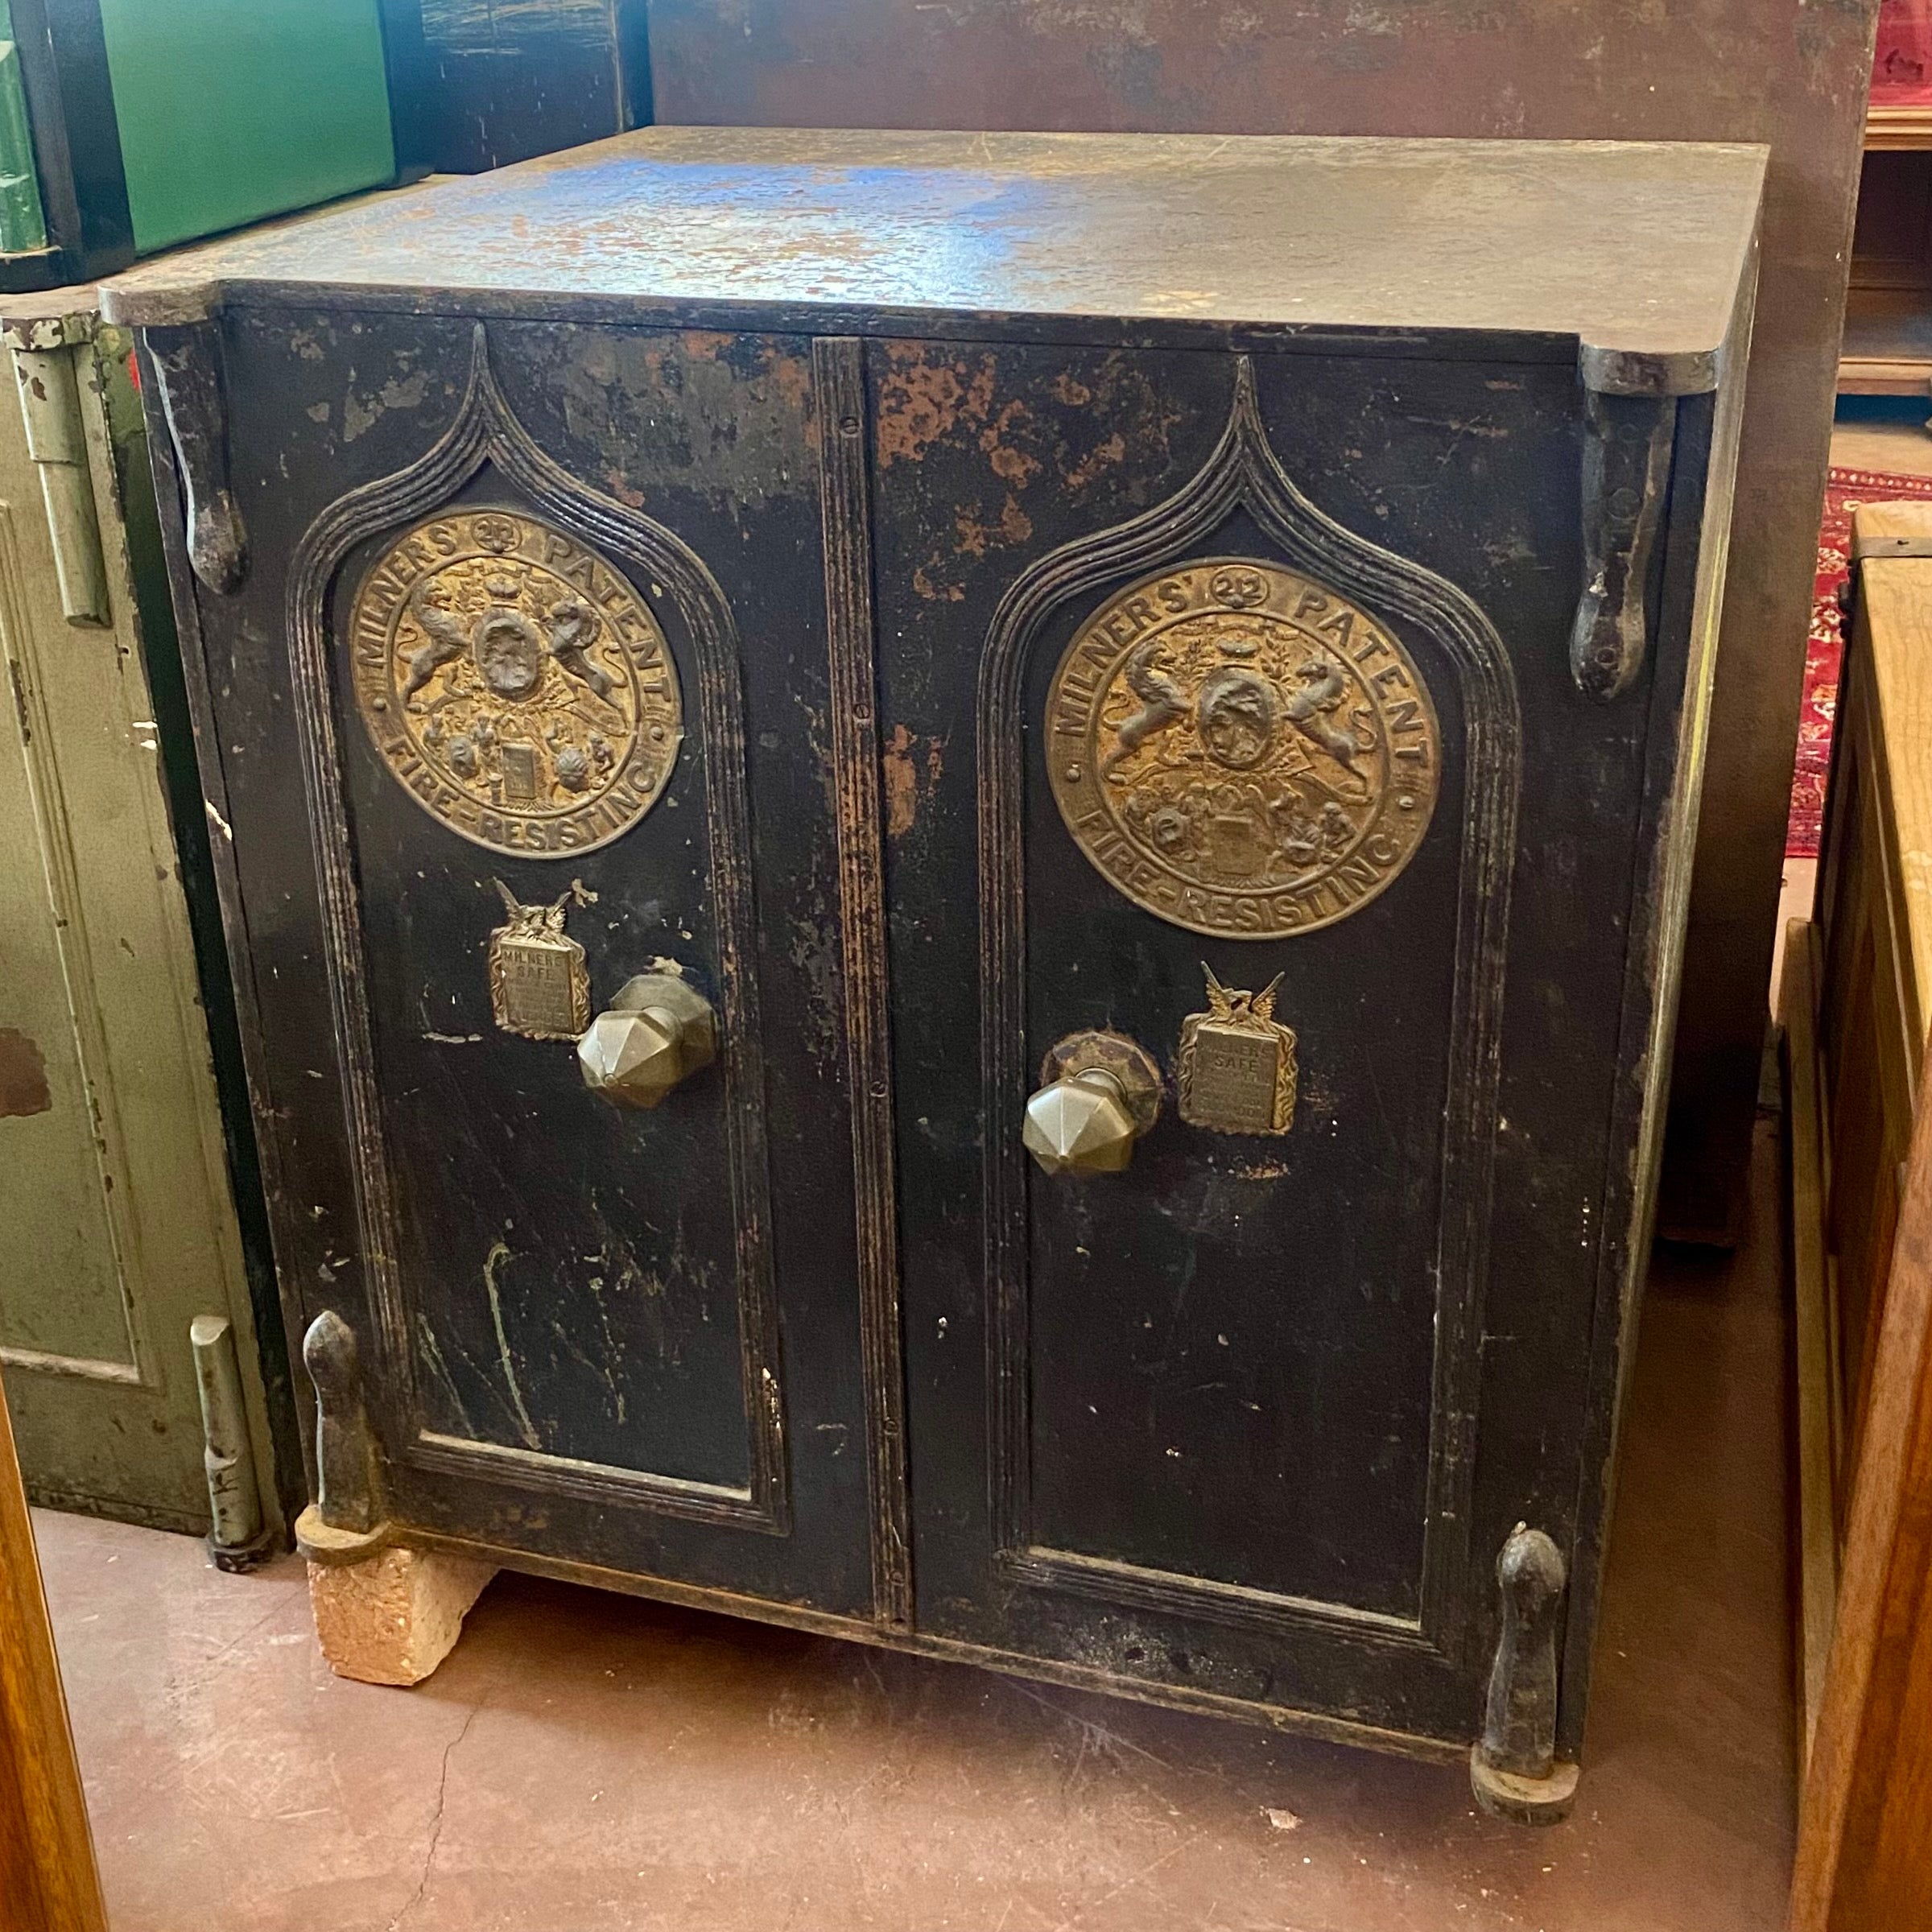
(548, 1040)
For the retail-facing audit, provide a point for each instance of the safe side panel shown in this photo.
(987, 461)
(509, 1166)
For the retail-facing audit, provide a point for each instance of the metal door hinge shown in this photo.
(49, 385)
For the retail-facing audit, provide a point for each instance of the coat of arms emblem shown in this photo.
(515, 683)
(1240, 749)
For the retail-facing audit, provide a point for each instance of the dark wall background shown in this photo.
(1791, 72)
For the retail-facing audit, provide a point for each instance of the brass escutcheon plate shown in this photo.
(515, 683)
(1237, 1070)
(1241, 750)
(539, 986)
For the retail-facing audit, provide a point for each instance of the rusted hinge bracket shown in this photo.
(1626, 475)
(44, 352)
(186, 359)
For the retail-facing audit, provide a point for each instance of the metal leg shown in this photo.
(1514, 1768)
(384, 1614)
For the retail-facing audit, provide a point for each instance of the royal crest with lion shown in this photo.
(1241, 750)
(515, 683)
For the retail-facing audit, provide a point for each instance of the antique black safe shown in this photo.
(957, 864)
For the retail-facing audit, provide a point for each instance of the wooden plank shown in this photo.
(47, 1879)
(1867, 1815)
(1887, 345)
(1817, 1450)
(1898, 127)
(1883, 379)
(1896, 618)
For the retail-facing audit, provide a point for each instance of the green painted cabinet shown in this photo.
(230, 110)
(117, 1222)
(130, 125)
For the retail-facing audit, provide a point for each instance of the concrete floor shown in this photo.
(586, 1763)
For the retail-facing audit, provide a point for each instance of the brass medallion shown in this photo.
(538, 985)
(515, 683)
(1236, 1072)
(1241, 750)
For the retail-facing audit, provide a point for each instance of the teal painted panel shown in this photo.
(22, 227)
(233, 109)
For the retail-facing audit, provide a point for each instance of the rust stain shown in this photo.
(23, 1087)
(1010, 464)
(613, 479)
(907, 769)
(1101, 456)
(790, 377)
(976, 536)
(1259, 1171)
(937, 593)
(922, 401)
(901, 782)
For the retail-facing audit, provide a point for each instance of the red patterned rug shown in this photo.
(1845, 490)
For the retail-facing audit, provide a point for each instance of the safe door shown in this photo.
(1272, 873)
(528, 637)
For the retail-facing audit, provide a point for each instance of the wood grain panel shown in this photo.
(48, 1880)
(1867, 1814)
(1868, 1810)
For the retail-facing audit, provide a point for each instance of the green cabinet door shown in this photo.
(117, 1224)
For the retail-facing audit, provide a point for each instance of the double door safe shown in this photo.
(957, 864)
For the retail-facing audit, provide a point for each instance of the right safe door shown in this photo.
(1268, 1036)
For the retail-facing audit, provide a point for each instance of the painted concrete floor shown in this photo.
(586, 1763)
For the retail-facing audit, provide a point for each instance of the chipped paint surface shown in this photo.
(493, 1264)
(925, 395)
(910, 769)
(23, 1087)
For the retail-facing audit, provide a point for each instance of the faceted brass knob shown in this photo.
(1080, 1125)
(1101, 1093)
(657, 1031)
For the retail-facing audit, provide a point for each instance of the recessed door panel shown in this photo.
(1227, 1345)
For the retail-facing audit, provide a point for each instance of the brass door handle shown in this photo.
(657, 1031)
(1099, 1093)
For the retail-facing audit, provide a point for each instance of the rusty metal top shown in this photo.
(1631, 254)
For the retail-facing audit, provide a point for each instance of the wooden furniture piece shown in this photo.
(47, 1879)
(1854, 1005)
(1887, 348)
(978, 934)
